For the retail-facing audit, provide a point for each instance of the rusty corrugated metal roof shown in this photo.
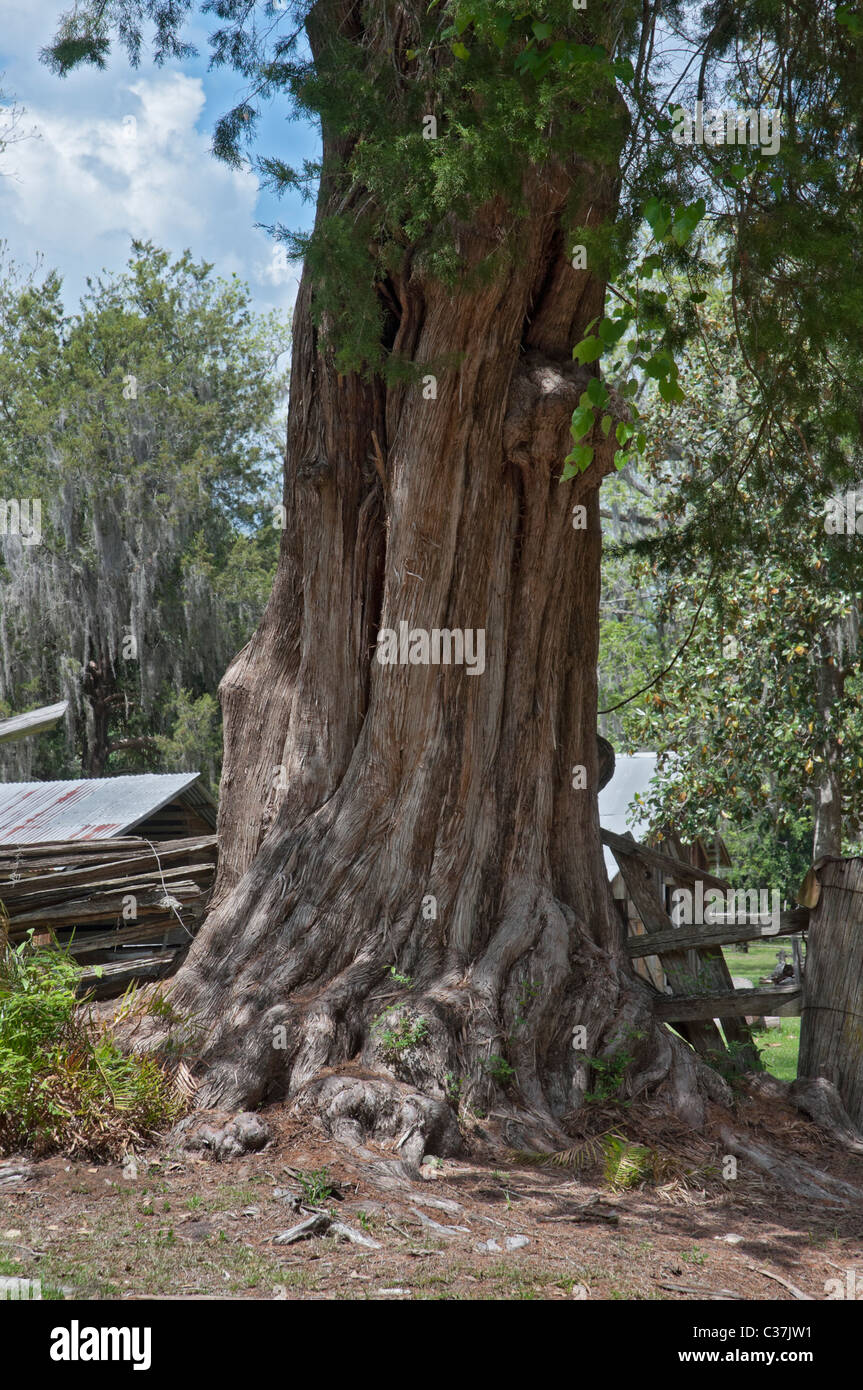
(35, 721)
(99, 808)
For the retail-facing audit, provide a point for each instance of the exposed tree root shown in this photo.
(795, 1176)
(819, 1099)
(354, 1109)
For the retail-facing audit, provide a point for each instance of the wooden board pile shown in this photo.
(127, 906)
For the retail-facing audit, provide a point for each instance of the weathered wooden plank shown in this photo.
(638, 877)
(114, 979)
(672, 868)
(102, 906)
(686, 938)
(147, 930)
(18, 903)
(81, 853)
(715, 975)
(831, 1032)
(781, 999)
(199, 858)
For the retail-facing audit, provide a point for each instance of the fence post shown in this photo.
(831, 1028)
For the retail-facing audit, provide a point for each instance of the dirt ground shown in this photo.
(181, 1225)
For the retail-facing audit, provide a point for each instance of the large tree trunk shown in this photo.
(421, 819)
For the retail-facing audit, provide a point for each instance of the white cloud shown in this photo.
(135, 166)
(278, 270)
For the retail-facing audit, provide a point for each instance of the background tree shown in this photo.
(143, 424)
(420, 818)
(758, 719)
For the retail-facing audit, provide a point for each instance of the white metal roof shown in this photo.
(36, 721)
(632, 774)
(91, 809)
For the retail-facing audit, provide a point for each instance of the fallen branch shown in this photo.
(320, 1223)
(792, 1288)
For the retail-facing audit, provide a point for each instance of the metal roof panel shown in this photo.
(632, 774)
(99, 808)
(35, 721)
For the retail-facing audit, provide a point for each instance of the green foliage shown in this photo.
(145, 424)
(317, 1185)
(63, 1086)
(195, 740)
(453, 1088)
(528, 992)
(626, 1164)
(608, 1074)
(499, 1069)
(748, 604)
(398, 1030)
(404, 980)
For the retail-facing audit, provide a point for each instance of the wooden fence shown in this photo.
(699, 986)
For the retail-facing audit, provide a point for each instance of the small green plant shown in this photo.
(317, 1185)
(626, 1164)
(453, 1087)
(499, 1069)
(160, 1007)
(529, 991)
(405, 980)
(609, 1072)
(398, 1030)
(694, 1256)
(64, 1085)
(736, 1061)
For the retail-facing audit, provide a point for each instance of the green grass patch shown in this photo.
(778, 1047)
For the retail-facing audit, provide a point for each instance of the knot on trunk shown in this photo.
(543, 393)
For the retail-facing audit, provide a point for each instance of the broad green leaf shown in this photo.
(588, 350)
(670, 391)
(612, 330)
(649, 266)
(687, 220)
(581, 457)
(582, 422)
(658, 217)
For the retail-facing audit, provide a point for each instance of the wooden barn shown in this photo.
(117, 869)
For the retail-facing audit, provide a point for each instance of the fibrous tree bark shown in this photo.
(837, 646)
(411, 878)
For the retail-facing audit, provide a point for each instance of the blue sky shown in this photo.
(107, 156)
